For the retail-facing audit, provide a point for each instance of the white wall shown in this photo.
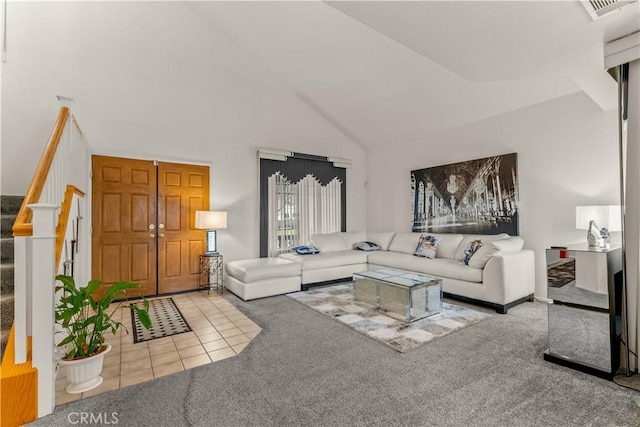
(567, 156)
(155, 81)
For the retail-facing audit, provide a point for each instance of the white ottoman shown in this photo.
(262, 277)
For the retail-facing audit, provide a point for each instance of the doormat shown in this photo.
(166, 320)
(337, 302)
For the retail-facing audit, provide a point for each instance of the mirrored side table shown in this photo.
(211, 274)
(585, 317)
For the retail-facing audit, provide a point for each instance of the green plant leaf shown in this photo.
(92, 286)
(66, 341)
(143, 316)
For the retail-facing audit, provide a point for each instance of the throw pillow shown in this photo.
(483, 255)
(512, 244)
(366, 246)
(427, 246)
(305, 250)
(471, 249)
(486, 239)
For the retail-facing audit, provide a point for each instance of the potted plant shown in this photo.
(85, 320)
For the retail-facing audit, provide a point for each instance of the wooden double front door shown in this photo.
(143, 216)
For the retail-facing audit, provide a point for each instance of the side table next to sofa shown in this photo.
(211, 272)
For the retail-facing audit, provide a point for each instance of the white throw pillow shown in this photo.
(382, 239)
(483, 255)
(405, 243)
(485, 238)
(331, 242)
(512, 244)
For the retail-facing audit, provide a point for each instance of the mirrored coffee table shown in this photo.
(401, 295)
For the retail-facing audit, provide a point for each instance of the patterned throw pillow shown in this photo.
(427, 246)
(305, 250)
(366, 246)
(471, 249)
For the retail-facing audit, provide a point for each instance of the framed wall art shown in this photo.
(477, 196)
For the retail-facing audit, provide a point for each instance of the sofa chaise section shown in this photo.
(336, 260)
(262, 277)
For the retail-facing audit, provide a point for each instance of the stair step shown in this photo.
(9, 207)
(6, 225)
(4, 337)
(6, 311)
(10, 204)
(6, 278)
(7, 315)
(6, 250)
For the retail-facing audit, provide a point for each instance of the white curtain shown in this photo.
(632, 212)
(296, 211)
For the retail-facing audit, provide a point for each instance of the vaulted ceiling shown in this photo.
(380, 73)
(397, 72)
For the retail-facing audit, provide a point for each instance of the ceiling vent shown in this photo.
(598, 8)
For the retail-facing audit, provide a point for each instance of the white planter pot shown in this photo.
(84, 374)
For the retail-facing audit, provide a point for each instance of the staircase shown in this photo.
(9, 207)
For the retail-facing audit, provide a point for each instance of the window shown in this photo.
(300, 195)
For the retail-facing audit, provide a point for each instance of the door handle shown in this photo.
(152, 235)
(161, 235)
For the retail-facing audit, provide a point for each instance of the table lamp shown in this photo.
(211, 221)
(589, 217)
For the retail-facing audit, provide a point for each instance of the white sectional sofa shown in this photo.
(499, 275)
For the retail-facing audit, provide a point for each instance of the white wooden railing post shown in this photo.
(22, 301)
(43, 275)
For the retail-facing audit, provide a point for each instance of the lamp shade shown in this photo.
(608, 217)
(211, 220)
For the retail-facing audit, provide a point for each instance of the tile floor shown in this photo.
(219, 331)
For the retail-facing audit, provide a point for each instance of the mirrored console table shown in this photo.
(585, 286)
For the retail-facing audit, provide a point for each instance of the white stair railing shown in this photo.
(37, 250)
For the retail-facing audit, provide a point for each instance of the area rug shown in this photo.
(166, 320)
(561, 274)
(337, 301)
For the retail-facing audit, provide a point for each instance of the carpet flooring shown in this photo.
(338, 303)
(305, 369)
(166, 320)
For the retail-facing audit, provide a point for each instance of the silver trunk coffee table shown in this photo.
(401, 295)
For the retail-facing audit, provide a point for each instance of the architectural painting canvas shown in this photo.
(477, 196)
